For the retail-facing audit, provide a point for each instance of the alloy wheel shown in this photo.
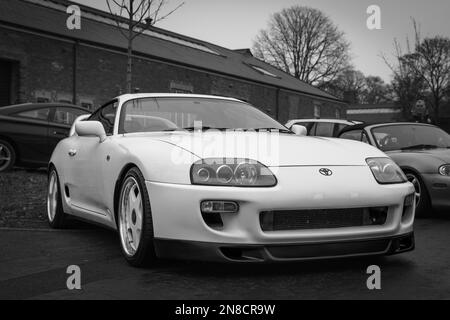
(5, 157)
(131, 216)
(52, 196)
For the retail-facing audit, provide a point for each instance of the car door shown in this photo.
(88, 158)
(30, 134)
(61, 120)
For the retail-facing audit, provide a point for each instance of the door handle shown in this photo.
(72, 152)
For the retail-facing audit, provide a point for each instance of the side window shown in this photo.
(312, 131)
(324, 129)
(38, 114)
(65, 115)
(106, 115)
(338, 128)
(352, 135)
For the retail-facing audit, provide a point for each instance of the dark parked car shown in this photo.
(421, 150)
(29, 132)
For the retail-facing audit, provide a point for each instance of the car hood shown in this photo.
(441, 154)
(273, 149)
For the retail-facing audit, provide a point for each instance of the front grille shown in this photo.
(322, 219)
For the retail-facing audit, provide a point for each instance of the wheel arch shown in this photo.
(408, 169)
(13, 144)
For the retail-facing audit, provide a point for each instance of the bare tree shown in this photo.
(305, 43)
(431, 60)
(421, 71)
(375, 91)
(407, 85)
(134, 17)
(347, 81)
(353, 83)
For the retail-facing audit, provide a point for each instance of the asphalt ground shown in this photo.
(33, 265)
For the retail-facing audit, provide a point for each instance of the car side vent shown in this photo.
(66, 190)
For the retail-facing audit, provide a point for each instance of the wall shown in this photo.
(46, 73)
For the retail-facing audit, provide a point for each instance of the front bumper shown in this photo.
(176, 208)
(219, 252)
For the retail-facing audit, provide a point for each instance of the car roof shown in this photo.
(31, 106)
(369, 126)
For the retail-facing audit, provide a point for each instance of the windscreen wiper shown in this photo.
(420, 146)
(204, 128)
(270, 129)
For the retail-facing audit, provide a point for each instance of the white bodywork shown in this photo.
(92, 177)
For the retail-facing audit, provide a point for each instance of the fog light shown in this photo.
(409, 200)
(212, 206)
(378, 216)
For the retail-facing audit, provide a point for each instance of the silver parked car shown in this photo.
(421, 150)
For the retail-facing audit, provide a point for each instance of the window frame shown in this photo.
(360, 135)
(96, 112)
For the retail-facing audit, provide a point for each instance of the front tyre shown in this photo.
(55, 212)
(7, 156)
(423, 203)
(135, 220)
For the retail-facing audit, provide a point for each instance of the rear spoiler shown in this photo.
(80, 118)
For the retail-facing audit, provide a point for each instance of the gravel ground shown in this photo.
(23, 199)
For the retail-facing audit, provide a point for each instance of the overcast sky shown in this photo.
(234, 24)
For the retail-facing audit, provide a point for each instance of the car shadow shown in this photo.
(237, 270)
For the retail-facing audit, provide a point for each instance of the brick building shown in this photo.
(386, 112)
(42, 60)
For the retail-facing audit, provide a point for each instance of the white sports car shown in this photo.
(213, 178)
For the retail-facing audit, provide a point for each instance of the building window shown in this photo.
(87, 105)
(42, 100)
(338, 113)
(263, 71)
(316, 111)
(178, 87)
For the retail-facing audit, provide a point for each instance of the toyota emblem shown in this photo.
(326, 172)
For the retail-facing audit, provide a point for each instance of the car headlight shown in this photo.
(386, 171)
(445, 170)
(231, 172)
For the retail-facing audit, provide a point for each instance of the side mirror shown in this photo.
(90, 129)
(78, 119)
(299, 130)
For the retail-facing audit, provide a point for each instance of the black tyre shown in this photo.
(55, 213)
(7, 156)
(135, 222)
(423, 203)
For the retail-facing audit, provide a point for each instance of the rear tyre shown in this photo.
(55, 212)
(7, 156)
(423, 203)
(135, 221)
